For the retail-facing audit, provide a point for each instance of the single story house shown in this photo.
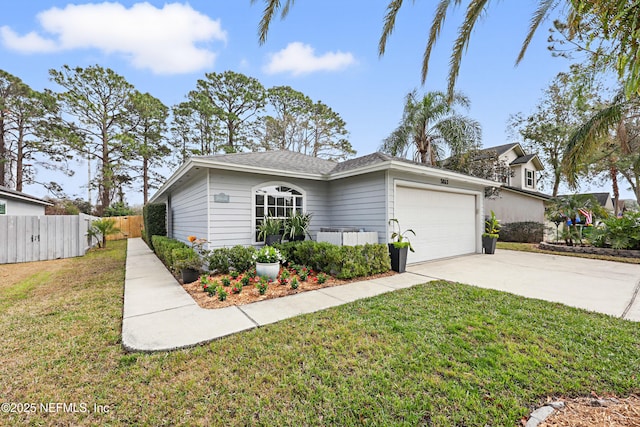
(519, 199)
(223, 197)
(14, 202)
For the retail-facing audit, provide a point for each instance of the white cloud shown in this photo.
(299, 58)
(165, 40)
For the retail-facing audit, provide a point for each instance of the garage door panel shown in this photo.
(444, 222)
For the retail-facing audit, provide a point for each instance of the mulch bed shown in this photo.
(250, 293)
(595, 411)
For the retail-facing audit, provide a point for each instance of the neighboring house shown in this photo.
(16, 203)
(224, 197)
(519, 199)
(603, 199)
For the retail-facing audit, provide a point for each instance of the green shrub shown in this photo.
(618, 233)
(154, 217)
(522, 232)
(185, 257)
(163, 247)
(238, 258)
(344, 262)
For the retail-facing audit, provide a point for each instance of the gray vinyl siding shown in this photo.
(189, 209)
(360, 201)
(232, 223)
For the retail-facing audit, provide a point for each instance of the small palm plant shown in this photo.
(402, 241)
(102, 228)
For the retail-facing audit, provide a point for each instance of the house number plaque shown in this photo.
(444, 181)
(221, 198)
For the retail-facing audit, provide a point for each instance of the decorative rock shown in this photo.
(558, 404)
(539, 415)
(598, 402)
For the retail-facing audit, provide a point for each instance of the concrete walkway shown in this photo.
(601, 286)
(160, 315)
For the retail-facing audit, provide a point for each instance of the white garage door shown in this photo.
(445, 223)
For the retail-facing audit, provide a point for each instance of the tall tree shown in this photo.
(300, 125)
(195, 129)
(236, 100)
(327, 134)
(611, 24)
(26, 120)
(284, 130)
(147, 117)
(564, 107)
(96, 99)
(430, 125)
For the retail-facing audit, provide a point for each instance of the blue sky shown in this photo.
(325, 49)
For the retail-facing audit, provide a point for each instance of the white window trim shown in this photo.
(269, 184)
(526, 178)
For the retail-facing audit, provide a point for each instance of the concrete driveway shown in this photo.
(601, 286)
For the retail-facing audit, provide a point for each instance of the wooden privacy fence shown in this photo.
(41, 238)
(130, 226)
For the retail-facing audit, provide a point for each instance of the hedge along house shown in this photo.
(224, 197)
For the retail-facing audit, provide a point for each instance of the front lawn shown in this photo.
(438, 354)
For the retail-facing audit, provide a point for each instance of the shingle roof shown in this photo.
(359, 162)
(528, 192)
(500, 149)
(23, 196)
(523, 159)
(279, 160)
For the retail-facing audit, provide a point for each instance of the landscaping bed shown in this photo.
(251, 293)
(587, 249)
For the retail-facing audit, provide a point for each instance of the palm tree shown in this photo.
(606, 135)
(611, 23)
(102, 228)
(429, 125)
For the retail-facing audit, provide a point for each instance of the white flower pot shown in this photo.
(268, 269)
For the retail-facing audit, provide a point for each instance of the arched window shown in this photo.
(276, 201)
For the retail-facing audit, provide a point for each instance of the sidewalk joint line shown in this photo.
(163, 310)
(634, 296)
(247, 316)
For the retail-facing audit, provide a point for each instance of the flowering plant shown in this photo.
(198, 244)
(267, 254)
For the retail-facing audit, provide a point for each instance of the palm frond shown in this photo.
(474, 10)
(539, 16)
(270, 9)
(267, 16)
(587, 137)
(389, 24)
(434, 33)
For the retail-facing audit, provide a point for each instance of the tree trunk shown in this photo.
(556, 184)
(106, 180)
(613, 172)
(145, 180)
(19, 161)
(3, 149)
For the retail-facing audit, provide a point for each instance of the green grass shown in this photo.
(532, 247)
(439, 354)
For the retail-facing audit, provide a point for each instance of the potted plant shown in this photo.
(268, 261)
(491, 234)
(270, 230)
(188, 263)
(296, 226)
(398, 249)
